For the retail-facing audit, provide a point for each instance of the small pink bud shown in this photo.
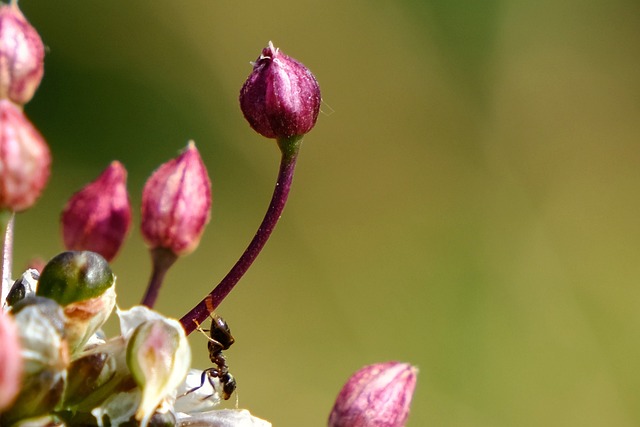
(21, 56)
(24, 159)
(98, 217)
(176, 203)
(281, 98)
(10, 361)
(376, 396)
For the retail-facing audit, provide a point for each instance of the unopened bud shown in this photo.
(24, 159)
(158, 356)
(21, 56)
(176, 203)
(10, 361)
(97, 218)
(82, 282)
(376, 396)
(281, 97)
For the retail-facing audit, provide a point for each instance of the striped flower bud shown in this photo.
(21, 56)
(176, 203)
(98, 217)
(376, 396)
(281, 97)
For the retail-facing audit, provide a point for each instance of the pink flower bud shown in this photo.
(376, 396)
(176, 203)
(281, 98)
(21, 56)
(98, 217)
(10, 361)
(24, 159)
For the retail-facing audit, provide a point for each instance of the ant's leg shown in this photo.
(202, 379)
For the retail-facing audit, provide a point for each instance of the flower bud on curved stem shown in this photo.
(280, 99)
(375, 396)
(176, 207)
(98, 217)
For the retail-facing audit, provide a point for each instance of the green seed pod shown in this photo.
(82, 282)
(75, 276)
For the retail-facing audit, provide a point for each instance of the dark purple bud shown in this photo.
(376, 396)
(24, 159)
(176, 203)
(281, 98)
(98, 217)
(21, 56)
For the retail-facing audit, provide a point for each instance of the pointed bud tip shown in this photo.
(281, 97)
(176, 203)
(98, 217)
(21, 56)
(377, 395)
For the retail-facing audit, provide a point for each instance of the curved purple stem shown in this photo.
(200, 312)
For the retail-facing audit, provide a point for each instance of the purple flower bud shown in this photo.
(281, 98)
(10, 361)
(98, 217)
(376, 396)
(24, 159)
(21, 56)
(176, 203)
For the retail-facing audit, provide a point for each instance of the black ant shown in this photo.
(220, 338)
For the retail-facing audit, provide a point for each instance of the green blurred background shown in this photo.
(468, 201)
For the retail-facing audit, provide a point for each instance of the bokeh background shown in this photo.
(468, 201)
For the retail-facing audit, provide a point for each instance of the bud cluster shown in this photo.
(57, 367)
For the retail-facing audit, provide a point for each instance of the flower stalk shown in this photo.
(7, 221)
(289, 148)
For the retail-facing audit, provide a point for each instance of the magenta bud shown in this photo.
(176, 203)
(281, 98)
(21, 56)
(11, 364)
(98, 217)
(376, 396)
(24, 159)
